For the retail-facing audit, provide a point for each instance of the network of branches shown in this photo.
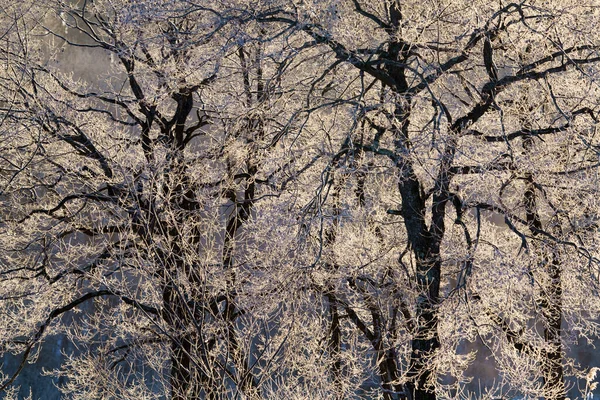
(313, 199)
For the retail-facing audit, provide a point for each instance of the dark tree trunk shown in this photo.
(551, 296)
(553, 369)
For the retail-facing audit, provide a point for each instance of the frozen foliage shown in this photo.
(301, 199)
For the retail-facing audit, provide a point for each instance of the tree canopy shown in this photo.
(300, 199)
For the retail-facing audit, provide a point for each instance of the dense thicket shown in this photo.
(314, 199)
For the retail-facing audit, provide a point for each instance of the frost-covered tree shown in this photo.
(484, 110)
(125, 195)
(324, 199)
